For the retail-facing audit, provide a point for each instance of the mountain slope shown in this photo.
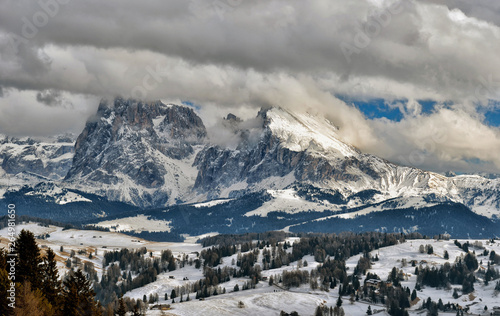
(48, 159)
(302, 149)
(137, 152)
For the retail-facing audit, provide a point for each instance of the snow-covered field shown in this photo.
(266, 299)
(137, 223)
(289, 202)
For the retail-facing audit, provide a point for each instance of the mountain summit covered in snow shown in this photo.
(138, 152)
(153, 155)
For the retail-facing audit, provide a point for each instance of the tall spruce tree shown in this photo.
(4, 284)
(78, 296)
(121, 308)
(51, 286)
(28, 266)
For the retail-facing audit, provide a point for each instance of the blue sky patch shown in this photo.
(492, 115)
(192, 105)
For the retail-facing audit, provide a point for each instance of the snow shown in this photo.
(61, 195)
(137, 223)
(241, 185)
(71, 197)
(179, 178)
(265, 299)
(158, 120)
(212, 203)
(392, 257)
(261, 301)
(285, 201)
(303, 131)
(403, 203)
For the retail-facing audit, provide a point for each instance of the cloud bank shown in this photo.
(57, 57)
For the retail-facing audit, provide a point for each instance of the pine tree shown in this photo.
(28, 259)
(4, 284)
(121, 308)
(78, 296)
(171, 264)
(319, 311)
(413, 295)
(51, 285)
(369, 311)
(339, 302)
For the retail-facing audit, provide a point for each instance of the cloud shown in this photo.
(423, 47)
(22, 115)
(485, 10)
(50, 97)
(247, 54)
(445, 139)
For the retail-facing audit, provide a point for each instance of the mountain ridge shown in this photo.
(152, 155)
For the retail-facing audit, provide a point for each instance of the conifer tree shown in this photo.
(51, 285)
(121, 308)
(78, 296)
(28, 259)
(4, 283)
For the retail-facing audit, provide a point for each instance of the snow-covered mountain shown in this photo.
(299, 148)
(27, 161)
(154, 155)
(136, 152)
(50, 158)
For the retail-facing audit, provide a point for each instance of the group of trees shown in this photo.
(435, 307)
(123, 264)
(344, 245)
(461, 272)
(38, 288)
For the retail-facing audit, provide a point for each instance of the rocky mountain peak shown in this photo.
(129, 145)
(232, 118)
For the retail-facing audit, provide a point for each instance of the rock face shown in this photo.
(48, 159)
(302, 149)
(136, 152)
(289, 147)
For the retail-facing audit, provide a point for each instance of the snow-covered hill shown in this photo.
(267, 299)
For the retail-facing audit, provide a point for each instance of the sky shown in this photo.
(415, 82)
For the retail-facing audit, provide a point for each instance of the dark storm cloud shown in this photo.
(50, 97)
(397, 41)
(241, 55)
